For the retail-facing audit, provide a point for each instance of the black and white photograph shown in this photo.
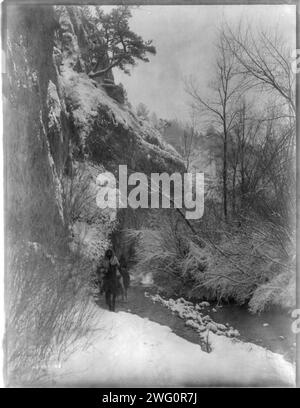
(149, 196)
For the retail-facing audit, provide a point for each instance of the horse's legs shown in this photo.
(108, 299)
(113, 303)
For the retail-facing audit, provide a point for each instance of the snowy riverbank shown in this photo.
(127, 350)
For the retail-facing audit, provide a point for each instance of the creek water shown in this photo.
(271, 330)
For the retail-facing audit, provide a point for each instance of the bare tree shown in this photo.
(263, 58)
(222, 104)
(188, 140)
(260, 160)
(242, 151)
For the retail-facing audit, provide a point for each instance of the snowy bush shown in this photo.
(168, 254)
(253, 262)
(250, 263)
(47, 303)
(280, 291)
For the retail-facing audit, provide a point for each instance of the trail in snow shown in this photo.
(144, 307)
(276, 336)
(129, 350)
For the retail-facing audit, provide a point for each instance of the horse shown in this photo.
(111, 279)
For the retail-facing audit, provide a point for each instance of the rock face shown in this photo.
(56, 115)
(105, 130)
(108, 131)
(36, 123)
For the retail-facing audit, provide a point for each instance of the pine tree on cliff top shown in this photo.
(113, 43)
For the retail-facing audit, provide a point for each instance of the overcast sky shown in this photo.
(184, 37)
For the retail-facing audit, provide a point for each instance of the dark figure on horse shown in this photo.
(112, 285)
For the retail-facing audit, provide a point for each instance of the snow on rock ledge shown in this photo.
(111, 124)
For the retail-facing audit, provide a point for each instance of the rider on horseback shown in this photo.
(112, 279)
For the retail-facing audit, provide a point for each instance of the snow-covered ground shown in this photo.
(127, 350)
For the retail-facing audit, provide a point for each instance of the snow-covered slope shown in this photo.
(144, 353)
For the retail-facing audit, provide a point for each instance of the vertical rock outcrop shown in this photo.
(36, 124)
